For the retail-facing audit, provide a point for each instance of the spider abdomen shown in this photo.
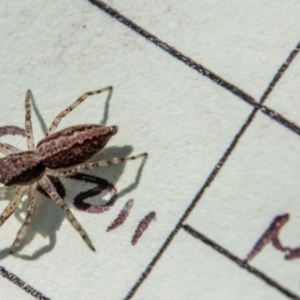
(21, 168)
(74, 145)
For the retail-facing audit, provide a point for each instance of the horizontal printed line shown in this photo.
(21, 284)
(205, 72)
(241, 263)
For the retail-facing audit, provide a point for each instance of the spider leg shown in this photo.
(6, 149)
(57, 120)
(48, 186)
(88, 166)
(12, 148)
(28, 124)
(30, 211)
(59, 187)
(13, 204)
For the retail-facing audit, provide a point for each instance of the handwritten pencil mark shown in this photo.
(12, 130)
(121, 218)
(271, 235)
(292, 253)
(101, 185)
(143, 225)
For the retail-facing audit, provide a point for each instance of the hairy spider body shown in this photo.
(65, 148)
(73, 145)
(63, 153)
(22, 168)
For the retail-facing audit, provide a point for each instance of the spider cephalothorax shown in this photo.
(61, 153)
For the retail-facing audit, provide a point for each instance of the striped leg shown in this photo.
(28, 124)
(30, 211)
(48, 186)
(88, 166)
(57, 120)
(6, 149)
(13, 204)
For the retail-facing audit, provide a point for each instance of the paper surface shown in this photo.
(210, 90)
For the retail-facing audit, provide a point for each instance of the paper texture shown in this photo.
(210, 90)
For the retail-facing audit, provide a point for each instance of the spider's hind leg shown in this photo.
(30, 211)
(59, 187)
(48, 186)
(89, 166)
(13, 204)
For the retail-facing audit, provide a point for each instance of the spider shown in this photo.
(61, 153)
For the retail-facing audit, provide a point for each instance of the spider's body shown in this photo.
(61, 153)
(73, 145)
(21, 168)
(65, 148)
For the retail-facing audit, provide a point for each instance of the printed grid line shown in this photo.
(194, 233)
(204, 71)
(22, 284)
(236, 91)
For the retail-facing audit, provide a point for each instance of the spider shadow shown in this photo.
(48, 216)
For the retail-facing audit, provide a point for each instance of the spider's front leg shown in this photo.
(57, 120)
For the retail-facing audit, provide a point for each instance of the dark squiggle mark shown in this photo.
(121, 218)
(23, 285)
(12, 130)
(143, 225)
(101, 185)
(271, 235)
(292, 253)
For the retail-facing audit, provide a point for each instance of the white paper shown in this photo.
(185, 121)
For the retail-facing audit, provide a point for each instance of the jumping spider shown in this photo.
(61, 153)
